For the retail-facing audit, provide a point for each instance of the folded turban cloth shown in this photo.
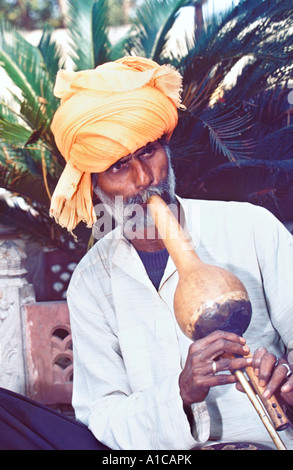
(105, 114)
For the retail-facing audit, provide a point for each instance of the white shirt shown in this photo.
(129, 350)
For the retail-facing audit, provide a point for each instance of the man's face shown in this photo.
(132, 180)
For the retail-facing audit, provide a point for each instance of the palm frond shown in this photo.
(18, 77)
(25, 184)
(35, 224)
(13, 132)
(270, 111)
(34, 160)
(100, 28)
(119, 49)
(276, 146)
(24, 65)
(226, 129)
(78, 24)
(87, 24)
(160, 47)
(151, 27)
(51, 52)
(12, 214)
(254, 184)
(283, 165)
(257, 31)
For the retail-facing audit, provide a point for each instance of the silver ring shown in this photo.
(214, 366)
(289, 371)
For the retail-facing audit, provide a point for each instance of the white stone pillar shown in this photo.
(14, 293)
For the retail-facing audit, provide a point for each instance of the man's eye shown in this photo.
(117, 167)
(148, 152)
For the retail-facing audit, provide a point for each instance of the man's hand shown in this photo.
(198, 375)
(274, 375)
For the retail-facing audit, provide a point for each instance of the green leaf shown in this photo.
(151, 25)
(79, 26)
(162, 37)
(100, 26)
(12, 132)
(18, 77)
(24, 184)
(226, 129)
(88, 23)
(25, 67)
(260, 32)
(52, 53)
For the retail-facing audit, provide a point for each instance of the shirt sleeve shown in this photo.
(274, 246)
(151, 419)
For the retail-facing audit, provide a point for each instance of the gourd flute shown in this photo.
(209, 298)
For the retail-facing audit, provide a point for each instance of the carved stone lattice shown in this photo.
(62, 354)
(49, 353)
(14, 293)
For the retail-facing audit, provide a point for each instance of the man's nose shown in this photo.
(143, 175)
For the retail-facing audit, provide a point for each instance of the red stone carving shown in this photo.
(48, 352)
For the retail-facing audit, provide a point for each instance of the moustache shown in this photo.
(162, 189)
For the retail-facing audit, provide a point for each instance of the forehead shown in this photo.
(140, 151)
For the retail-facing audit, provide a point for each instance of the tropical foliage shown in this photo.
(234, 141)
(241, 146)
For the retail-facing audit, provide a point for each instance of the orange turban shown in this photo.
(105, 114)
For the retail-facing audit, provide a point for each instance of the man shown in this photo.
(139, 382)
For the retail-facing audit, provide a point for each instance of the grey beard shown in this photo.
(130, 214)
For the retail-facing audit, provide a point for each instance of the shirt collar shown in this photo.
(124, 255)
